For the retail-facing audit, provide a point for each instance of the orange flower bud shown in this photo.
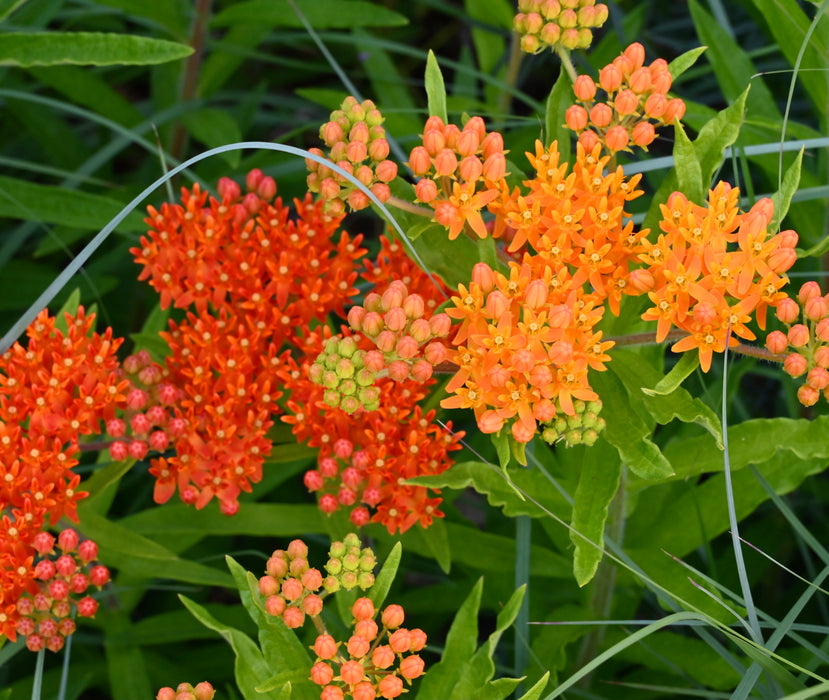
(550, 9)
(818, 378)
(550, 34)
(640, 80)
(433, 122)
(624, 64)
(798, 335)
(656, 105)
(386, 340)
(490, 422)
(364, 690)
(617, 138)
(435, 353)
(497, 304)
(822, 356)
(468, 143)
(495, 167)
(352, 672)
(470, 168)
(815, 308)
(421, 371)
(540, 375)
(381, 191)
(601, 115)
(787, 310)
(407, 347)
(560, 353)
(788, 239)
(372, 324)
(522, 432)
(560, 316)
(390, 687)
(411, 667)
(822, 330)
(451, 133)
(704, 314)
(329, 189)
(484, 277)
(777, 342)
(374, 361)
(398, 370)
(587, 16)
(584, 88)
(536, 294)
(661, 81)
(434, 141)
(378, 149)
(386, 170)
(420, 161)
(568, 19)
(643, 134)
(394, 295)
(312, 605)
(477, 126)
(446, 162)
(399, 640)
(364, 174)
(331, 132)
(359, 132)
(570, 39)
(383, 657)
(533, 23)
(576, 118)
(588, 139)
(357, 200)
(602, 13)
(321, 673)
(675, 109)
(492, 143)
(523, 360)
(417, 639)
(808, 395)
(808, 290)
(794, 365)
(363, 609)
(426, 190)
(544, 410)
(626, 102)
(275, 605)
(419, 330)
(293, 618)
(395, 319)
(636, 53)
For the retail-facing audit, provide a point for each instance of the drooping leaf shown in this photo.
(686, 365)
(783, 198)
(435, 88)
(86, 48)
(684, 61)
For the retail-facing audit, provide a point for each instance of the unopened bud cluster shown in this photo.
(61, 580)
(290, 585)
(185, 691)
(635, 102)
(356, 142)
(348, 374)
(376, 659)
(459, 171)
(408, 342)
(349, 565)
(553, 23)
(805, 342)
(148, 423)
(582, 428)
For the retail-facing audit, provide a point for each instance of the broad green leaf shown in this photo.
(598, 483)
(138, 556)
(718, 134)
(634, 371)
(436, 540)
(250, 668)
(534, 693)
(221, 63)
(684, 61)
(385, 577)
(788, 25)
(627, 432)
(783, 198)
(321, 14)
(460, 645)
(414, 232)
(86, 48)
(688, 168)
(56, 205)
(500, 441)
(555, 128)
(685, 366)
(214, 127)
(435, 88)
(127, 670)
(105, 476)
(175, 16)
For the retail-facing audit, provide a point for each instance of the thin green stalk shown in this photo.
(37, 683)
(64, 674)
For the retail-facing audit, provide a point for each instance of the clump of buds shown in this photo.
(460, 172)
(408, 342)
(356, 142)
(348, 375)
(349, 565)
(805, 343)
(582, 428)
(568, 24)
(185, 691)
(375, 661)
(290, 585)
(148, 423)
(61, 581)
(634, 102)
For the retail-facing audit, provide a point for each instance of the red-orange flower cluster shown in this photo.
(712, 268)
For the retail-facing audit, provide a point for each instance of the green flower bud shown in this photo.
(348, 346)
(359, 359)
(574, 422)
(331, 398)
(348, 580)
(364, 377)
(330, 361)
(549, 435)
(368, 561)
(349, 405)
(590, 419)
(334, 565)
(365, 580)
(601, 423)
(579, 405)
(351, 562)
(352, 539)
(348, 387)
(331, 584)
(560, 425)
(589, 437)
(573, 437)
(332, 346)
(345, 368)
(330, 380)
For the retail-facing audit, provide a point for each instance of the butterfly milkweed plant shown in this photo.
(358, 350)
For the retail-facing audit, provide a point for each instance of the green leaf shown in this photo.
(250, 668)
(384, 579)
(555, 129)
(138, 556)
(56, 205)
(500, 441)
(783, 198)
(436, 540)
(685, 366)
(627, 432)
(435, 89)
(718, 134)
(688, 168)
(684, 61)
(126, 666)
(214, 127)
(321, 14)
(106, 476)
(414, 232)
(461, 639)
(598, 483)
(534, 693)
(9, 6)
(86, 48)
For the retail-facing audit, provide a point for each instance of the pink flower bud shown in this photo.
(67, 540)
(99, 575)
(43, 542)
(313, 480)
(228, 190)
(118, 451)
(87, 551)
(140, 424)
(267, 188)
(253, 179)
(137, 449)
(87, 607)
(137, 399)
(360, 516)
(58, 589)
(398, 371)
(44, 570)
(395, 319)
(435, 353)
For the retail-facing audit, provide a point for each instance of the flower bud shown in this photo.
(398, 371)
(808, 395)
(386, 171)
(426, 190)
(576, 118)
(798, 335)
(617, 138)
(435, 353)
(610, 78)
(809, 290)
(643, 134)
(407, 348)
(675, 109)
(776, 342)
(446, 162)
(626, 102)
(468, 142)
(584, 88)
(470, 168)
(787, 310)
(395, 320)
(794, 365)
(495, 167)
(601, 115)
(411, 667)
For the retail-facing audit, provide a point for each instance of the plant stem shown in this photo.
(515, 56)
(37, 682)
(403, 205)
(190, 79)
(566, 63)
(601, 601)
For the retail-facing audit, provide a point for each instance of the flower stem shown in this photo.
(566, 63)
(403, 205)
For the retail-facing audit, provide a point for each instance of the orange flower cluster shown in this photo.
(357, 144)
(553, 23)
(525, 344)
(186, 691)
(364, 667)
(60, 386)
(364, 458)
(575, 223)
(460, 171)
(806, 341)
(712, 268)
(635, 103)
(255, 279)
